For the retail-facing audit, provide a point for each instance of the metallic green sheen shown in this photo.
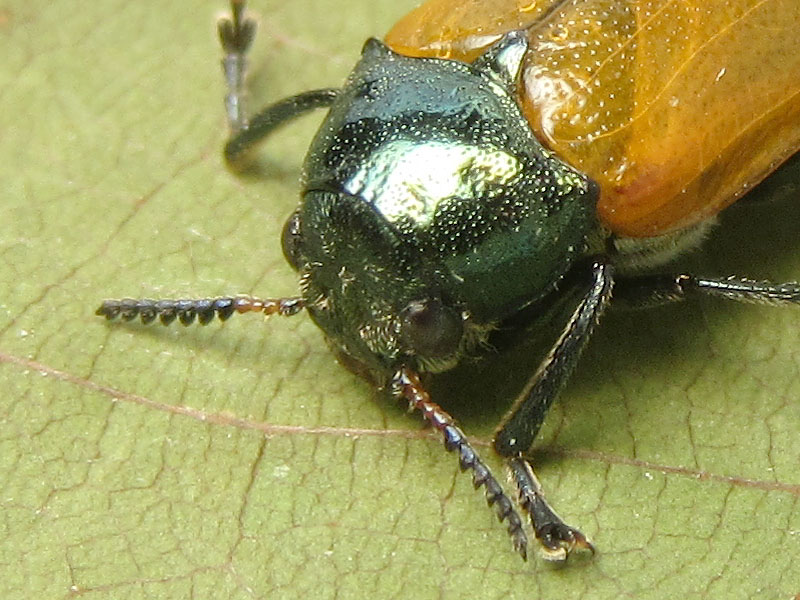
(425, 182)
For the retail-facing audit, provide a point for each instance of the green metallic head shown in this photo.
(430, 212)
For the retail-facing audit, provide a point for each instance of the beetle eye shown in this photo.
(290, 240)
(431, 329)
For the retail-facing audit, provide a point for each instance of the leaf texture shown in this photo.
(239, 461)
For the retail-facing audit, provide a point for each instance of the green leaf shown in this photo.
(240, 461)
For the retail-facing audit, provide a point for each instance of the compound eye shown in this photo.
(290, 240)
(431, 329)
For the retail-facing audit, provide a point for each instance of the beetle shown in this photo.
(493, 158)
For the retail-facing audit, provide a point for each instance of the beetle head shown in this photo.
(429, 211)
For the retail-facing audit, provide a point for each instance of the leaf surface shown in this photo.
(240, 461)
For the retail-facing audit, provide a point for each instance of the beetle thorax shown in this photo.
(430, 212)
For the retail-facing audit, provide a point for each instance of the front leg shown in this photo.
(236, 34)
(556, 537)
(520, 426)
(523, 421)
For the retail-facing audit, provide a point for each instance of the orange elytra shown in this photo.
(676, 109)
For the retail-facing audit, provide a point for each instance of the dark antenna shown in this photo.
(203, 309)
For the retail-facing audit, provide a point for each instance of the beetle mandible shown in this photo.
(493, 155)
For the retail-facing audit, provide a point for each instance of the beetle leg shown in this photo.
(557, 538)
(406, 384)
(204, 309)
(236, 33)
(520, 426)
(272, 117)
(654, 290)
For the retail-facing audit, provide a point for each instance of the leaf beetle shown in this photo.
(491, 156)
